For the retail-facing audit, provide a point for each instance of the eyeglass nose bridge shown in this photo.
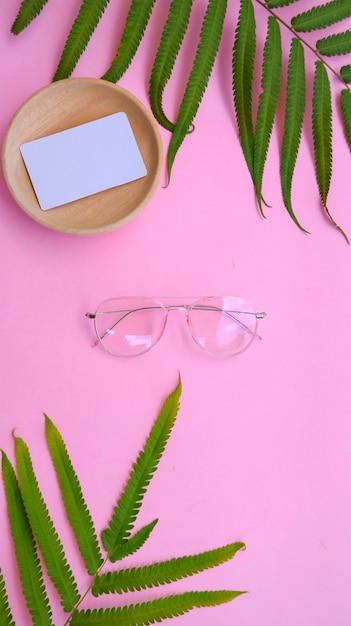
(190, 334)
(166, 310)
(177, 307)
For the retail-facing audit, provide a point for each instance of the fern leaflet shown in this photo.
(268, 99)
(346, 113)
(6, 618)
(153, 611)
(171, 39)
(275, 4)
(43, 529)
(73, 500)
(243, 60)
(137, 20)
(130, 501)
(335, 44)
(164, 572)
(294, 114)
(26, 555)
(133, 544)
(78, 38)
(210, 36)
(322, 129)
(322, 135)
(29, 10)
(321, 16)
(345, 73)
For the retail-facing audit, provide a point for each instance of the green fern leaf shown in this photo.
(294, 114)
(29, 10)
(268, 99)
(132, 545)
(43, 529)
(243, 60)
(128, 506)
(322, 135)
(210, 36)
(276, 4)
(345, 73)
(153, 611)
(78, 38)
(26, 555)
(322, 129)
(322, 16)
(164, 572)
(6, 618)
(335, 44)
(137, 20)
(75, 506)
(171, 39)
(346, 113)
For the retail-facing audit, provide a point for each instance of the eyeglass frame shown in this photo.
(174, 307)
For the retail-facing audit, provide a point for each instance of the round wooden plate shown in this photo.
(65, 104)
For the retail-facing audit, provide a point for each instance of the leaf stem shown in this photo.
(89, 588)
(335, 224)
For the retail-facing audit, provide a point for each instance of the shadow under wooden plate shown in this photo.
(66, 104)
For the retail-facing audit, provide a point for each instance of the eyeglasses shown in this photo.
(221, 325)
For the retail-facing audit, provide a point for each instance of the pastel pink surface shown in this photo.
(261, 449)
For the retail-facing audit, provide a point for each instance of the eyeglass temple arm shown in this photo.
(259, 315)
(92, 316)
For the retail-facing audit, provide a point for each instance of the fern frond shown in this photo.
(276, 4)
(322, 135)
(6, 618)
(321, 16)
(28, 11)
(136, 22)
(171, 39)
(43, 529)
(78, 38)
(346, 113)
(345, 73)
(77, 511)
(243, 60)
(210, 36)
(294, 114)
(163, 573)
(26, 555)
(333, 45)
(128, 506)
(133, 544)
(268, 99)
(153, 611)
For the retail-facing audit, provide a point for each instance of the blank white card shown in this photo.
(83, 160)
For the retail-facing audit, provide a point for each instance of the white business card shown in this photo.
(84, 160)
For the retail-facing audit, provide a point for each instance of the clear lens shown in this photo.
(130, 326)
(223, 326)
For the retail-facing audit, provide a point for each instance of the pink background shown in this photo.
(261, 449)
